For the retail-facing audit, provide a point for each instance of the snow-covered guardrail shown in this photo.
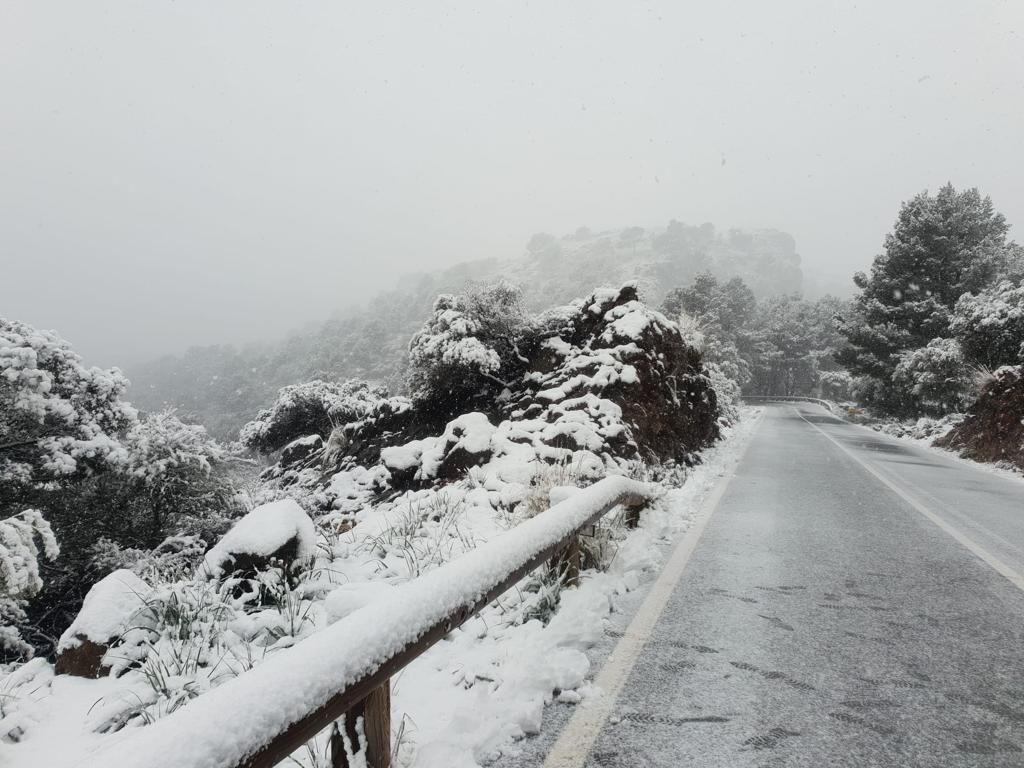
(789, 399)
(262, 716)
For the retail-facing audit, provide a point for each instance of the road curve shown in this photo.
(852, 602)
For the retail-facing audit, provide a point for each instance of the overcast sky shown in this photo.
(177, 173)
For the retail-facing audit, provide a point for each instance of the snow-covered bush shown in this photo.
(58, 418)
(925, 428)
(176, 557)
(176, 478)
(470, 343)
(24, 538)
(279, 532)
(312, 408)
(990, 325)
(935, 376)
(71, 447)
(993, 427)
(836, 385)
(727, 390)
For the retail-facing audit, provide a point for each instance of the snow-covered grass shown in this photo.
(463, 703)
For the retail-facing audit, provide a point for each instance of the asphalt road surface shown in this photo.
(854, 601)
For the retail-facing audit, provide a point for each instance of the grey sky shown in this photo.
(174, 173)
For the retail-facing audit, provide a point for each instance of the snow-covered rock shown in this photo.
(279, 531)
(466, 443)
(106, 612)
(301, 449)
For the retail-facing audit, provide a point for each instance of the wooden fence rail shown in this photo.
(206, 734)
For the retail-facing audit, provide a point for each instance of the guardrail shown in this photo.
(791, 398)
(342, 673)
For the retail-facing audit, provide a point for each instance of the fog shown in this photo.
(179, 173)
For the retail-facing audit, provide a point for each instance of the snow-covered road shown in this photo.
(854, 601)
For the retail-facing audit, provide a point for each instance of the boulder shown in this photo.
(279, 533)
(107, 611)
(466, 443)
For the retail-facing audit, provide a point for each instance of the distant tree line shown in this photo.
(781, 345)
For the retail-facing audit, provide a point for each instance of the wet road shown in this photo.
(852, 602)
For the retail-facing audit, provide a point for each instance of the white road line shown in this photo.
(579, 735)
(964, 520)
(1013, 576)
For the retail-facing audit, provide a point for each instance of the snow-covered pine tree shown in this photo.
(941, 247)
(469, 346)
(990, 325)
(934, 376)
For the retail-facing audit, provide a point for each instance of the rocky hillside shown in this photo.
(223, 387)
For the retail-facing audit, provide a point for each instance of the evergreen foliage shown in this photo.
(942, 247)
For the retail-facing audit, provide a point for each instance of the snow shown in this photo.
(354, 488)
(228, 723)
(405, 457)
(351, 597)
(628, 320)
(463, 703)
(558, 345)
(304, 441)
(920, 434)
(106, 610)
(262, 532)
(19, 552)
(471, 431)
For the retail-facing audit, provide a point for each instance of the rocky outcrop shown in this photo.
(601, 382)
(614, 349)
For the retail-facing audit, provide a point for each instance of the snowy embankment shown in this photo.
(464, 702)
(929, 434)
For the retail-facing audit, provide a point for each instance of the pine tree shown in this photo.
(990, 326)
(941, 247)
